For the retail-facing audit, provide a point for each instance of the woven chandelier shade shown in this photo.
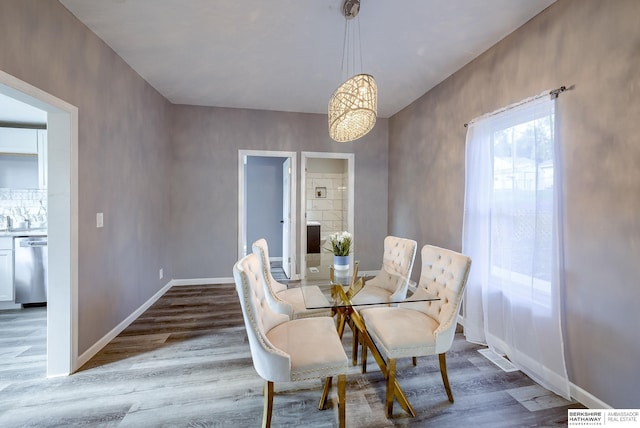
(353, 108)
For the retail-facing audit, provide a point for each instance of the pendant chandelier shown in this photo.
(353, 107)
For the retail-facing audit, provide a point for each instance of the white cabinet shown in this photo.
(19, 141)
(6, 269)
(24, 141)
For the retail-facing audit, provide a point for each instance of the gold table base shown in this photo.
(348, 315)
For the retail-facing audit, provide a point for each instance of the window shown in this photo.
(522, 205)
(512, 232)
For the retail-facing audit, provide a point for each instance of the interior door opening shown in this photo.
(62, 201)
(266, 205)
(327, 201)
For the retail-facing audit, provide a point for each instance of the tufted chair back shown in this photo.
(399, 255)
(271, 363)
(261, 249)
(444, 273)
(273, 287)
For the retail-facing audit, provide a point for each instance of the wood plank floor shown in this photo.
(186, 363)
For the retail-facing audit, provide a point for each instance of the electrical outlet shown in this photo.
(161, 273)
(99, 220)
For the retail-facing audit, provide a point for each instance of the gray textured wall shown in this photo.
(204, 187)
(123, 155)
(593, 46)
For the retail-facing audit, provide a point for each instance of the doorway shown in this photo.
(266, 205)
(327, 206)
(62, 201)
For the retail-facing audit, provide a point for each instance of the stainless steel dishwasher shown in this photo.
(30, 269)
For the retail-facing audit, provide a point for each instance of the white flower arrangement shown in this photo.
(341, 243)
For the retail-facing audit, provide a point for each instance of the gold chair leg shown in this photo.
(268, 404)
(391, 380)
(364, 356)
(341, 322)
(325, 393)
(445, 378)
(342, 403)
(354, 346)
(362, 341)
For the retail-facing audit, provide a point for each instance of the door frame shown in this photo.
(350, 158)
(62, 213)
(286, 221)
(242, 218)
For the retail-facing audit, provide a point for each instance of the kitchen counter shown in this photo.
(27, 232)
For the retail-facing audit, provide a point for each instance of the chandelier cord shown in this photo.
(349, 52)
(344, 50)
(359, 47)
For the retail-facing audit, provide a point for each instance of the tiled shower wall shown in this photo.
(23, 204)
(329, 211)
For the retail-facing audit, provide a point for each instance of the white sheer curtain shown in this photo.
(513, 233)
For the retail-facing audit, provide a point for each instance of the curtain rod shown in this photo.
(553, 94)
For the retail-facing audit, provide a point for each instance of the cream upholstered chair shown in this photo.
(392, 282)
(283, 300)
(285, 350)
(390, 285)
(422, 328)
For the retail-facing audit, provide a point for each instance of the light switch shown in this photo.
(99, 220)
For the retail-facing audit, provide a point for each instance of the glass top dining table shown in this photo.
(336, 293)
(338, 290)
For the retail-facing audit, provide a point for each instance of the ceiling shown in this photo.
(286, 55)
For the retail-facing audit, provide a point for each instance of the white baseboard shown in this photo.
(93, 350)
(587, 398)
(202, 281)
(580, 395)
